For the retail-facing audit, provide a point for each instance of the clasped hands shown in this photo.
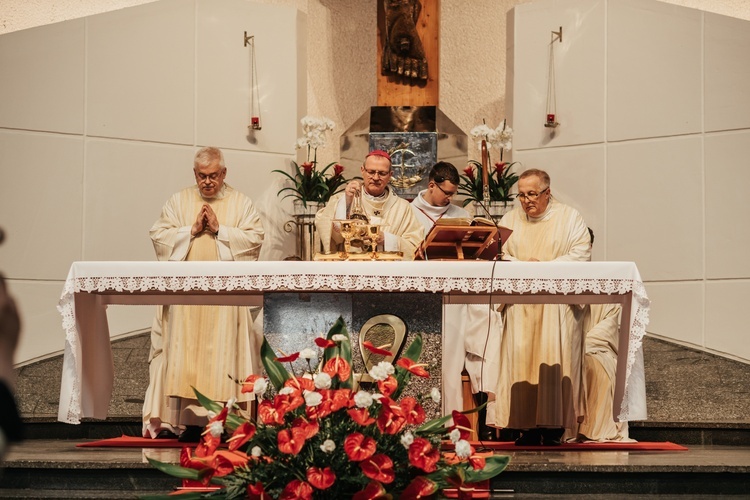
(206, 221)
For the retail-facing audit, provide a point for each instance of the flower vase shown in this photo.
(496, 209)
(304, 220)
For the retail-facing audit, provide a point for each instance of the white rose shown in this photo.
(313, 398)
(328, 446)
(216, 429)
(407, 439)
(307, 353)
(260, 386)
(455, 435)
(363, 399)
(230, 403)
(339, 337)
(435, 394)
(463, 449)
(255, 451)
(322, 380)
(378, 373)
(286, 390)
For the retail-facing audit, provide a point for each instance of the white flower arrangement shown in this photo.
(500, 138)
(314, 130)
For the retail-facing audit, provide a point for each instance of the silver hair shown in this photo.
(543, 176)
(207, 155)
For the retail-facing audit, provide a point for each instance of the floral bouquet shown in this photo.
(311, 185)
(317, 436)
(501, 180)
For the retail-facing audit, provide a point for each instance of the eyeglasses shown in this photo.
(377, 173)
(446, 193)
(532, 196)
(212, 177)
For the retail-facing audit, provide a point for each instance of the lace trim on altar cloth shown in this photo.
(633, 405)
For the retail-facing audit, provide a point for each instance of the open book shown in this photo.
(462, 239)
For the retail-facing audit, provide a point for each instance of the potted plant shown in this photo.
(312, 187)
(501, 178)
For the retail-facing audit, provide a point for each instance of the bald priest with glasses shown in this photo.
(540, 389)
(402, 232)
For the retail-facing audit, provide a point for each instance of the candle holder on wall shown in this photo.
(255, 123)
(551, 121)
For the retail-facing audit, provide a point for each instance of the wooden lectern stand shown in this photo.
(462, 239)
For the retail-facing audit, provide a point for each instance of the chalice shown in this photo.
(348, 229)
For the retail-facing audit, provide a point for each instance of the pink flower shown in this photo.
(469, 171)
(307, 168)
(337, 169)
(499, 167)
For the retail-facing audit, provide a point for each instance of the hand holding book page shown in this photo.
(463, 239)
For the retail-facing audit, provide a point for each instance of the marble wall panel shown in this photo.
(579, 72)
(727, 208)
(727, 328)
(654, 69)
(40, 203)
(727, 72)
(141, 73)
(677, 311)
(655, 207)
(224, 75)
(41, 80)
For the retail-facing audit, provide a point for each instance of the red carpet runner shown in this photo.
(139, 442)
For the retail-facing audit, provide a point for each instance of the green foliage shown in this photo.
(501, 180)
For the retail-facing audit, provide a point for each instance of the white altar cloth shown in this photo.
(88, 372)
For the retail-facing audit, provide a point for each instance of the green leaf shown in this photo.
(179, 471)
(207, 403)
(413, 352)
(494, 465)
(277, 374)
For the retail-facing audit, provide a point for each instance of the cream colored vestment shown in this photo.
(541, 354)
(202, 346)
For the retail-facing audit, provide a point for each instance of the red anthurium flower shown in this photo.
(300, 384)
(320, 411)
(379, 468)
(297, 490)
(372, 491)
(469, 171)
(423, 456)
(310, 427)
(287, 402)
(189, 462)
(376, 350)
(338, 366)
(420, 487)
(414, 368)
(291, 358)
(388, 386)
(241, 435)
(320, 478)
(291, 440)
(361, 416)
(461, 422)
(307, 168)
(359, 447)
(477, 461)
(269, 414)
(337, 170)
(412, 410)
(391, 418)
(324, 343)
(257, 492)
(337, 398)
(249, 384)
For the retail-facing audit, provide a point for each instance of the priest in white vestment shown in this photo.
(466, 325)
(202, 346)
(540, 386)
(402, 231)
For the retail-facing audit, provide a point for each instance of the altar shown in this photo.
(88, 372)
